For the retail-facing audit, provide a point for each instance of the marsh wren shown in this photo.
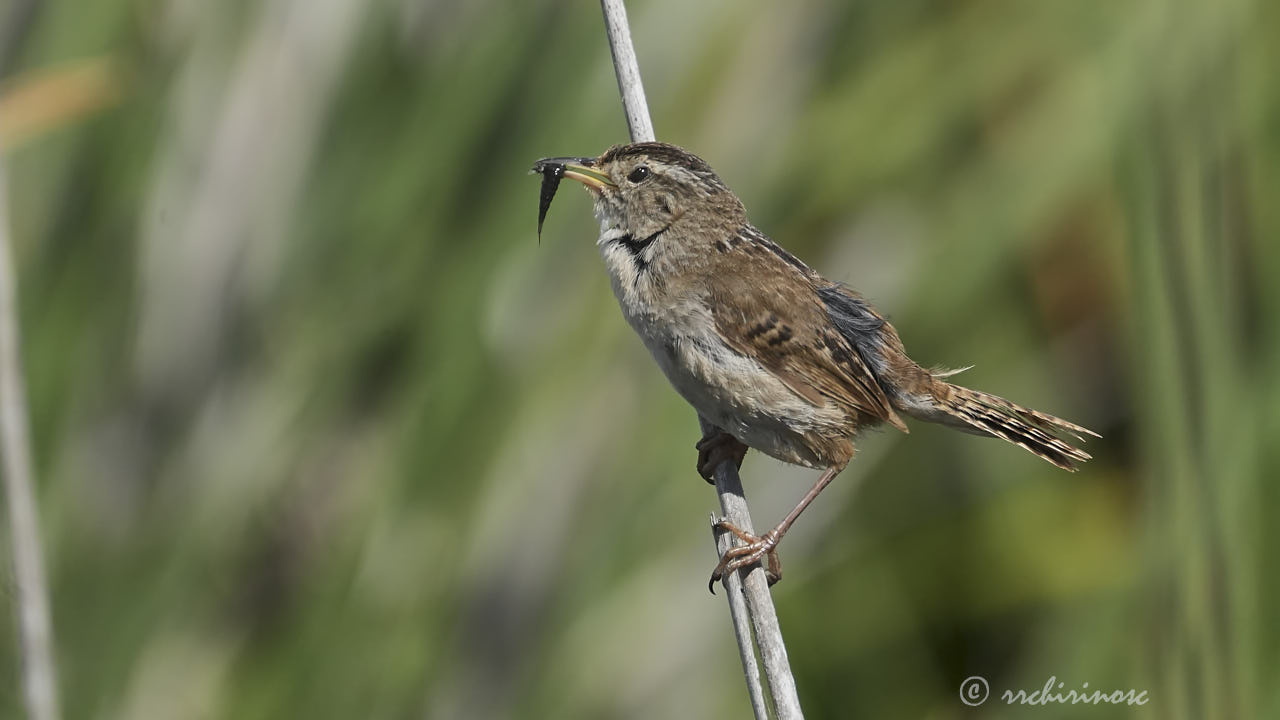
(779, 358)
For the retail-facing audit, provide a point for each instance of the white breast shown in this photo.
(731, 390)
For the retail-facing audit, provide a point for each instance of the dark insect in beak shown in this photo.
(552, 172)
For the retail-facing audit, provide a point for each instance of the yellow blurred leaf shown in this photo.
(37, 102)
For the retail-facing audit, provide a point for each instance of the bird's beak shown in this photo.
(578, 168)
(587, 176)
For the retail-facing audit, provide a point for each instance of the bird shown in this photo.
(776, 356)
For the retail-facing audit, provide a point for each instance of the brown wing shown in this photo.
(777, 318)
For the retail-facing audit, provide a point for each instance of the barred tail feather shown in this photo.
(986, 414)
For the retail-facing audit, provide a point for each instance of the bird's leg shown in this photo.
(773, 569)
(758, 546)
(716, 447)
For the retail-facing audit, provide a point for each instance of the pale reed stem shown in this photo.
(750, 603)
(35, 629)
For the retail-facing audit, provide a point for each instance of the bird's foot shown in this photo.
(714, 449)
(756, 547)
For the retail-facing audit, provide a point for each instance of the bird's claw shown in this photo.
(716, 448)
(755, 548)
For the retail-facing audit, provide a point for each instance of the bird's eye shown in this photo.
(639, 174)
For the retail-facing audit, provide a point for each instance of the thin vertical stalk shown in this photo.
(35, 629)
(750, 604)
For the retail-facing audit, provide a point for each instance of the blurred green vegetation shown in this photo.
(323, 432)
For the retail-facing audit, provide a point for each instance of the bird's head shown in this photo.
(644, 189)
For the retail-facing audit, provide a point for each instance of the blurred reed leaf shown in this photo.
(37, 102)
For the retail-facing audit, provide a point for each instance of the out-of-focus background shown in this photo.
(323, 432)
